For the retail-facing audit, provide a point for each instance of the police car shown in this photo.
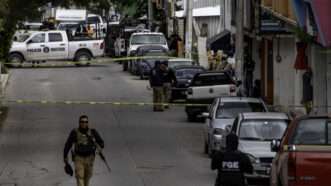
(55, 45)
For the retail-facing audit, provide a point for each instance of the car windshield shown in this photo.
(262, 130)
(173, 64)
(188, 73)
(232, 109)
(148, 39)
(312, 132)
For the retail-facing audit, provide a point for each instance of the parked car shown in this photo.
(256, 131)
(54, 45)
(221, 114)
(184, 76)
(172, 63)
(204, 88)
(304, 153)
(148, 51)
(141, 39)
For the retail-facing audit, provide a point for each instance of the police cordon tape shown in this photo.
(95, 61)
(116, 103)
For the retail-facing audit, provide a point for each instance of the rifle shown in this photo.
(103, 158)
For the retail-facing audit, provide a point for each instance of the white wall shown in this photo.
(287, 84)
(320, 82)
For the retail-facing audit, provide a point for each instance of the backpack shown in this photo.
(85, 143)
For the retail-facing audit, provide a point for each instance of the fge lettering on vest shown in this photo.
(230, 165)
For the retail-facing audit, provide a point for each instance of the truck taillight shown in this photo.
(190, 91)
(291, 167)
(102, 45)
(233, 89)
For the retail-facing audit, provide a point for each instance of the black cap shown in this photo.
(232, 142)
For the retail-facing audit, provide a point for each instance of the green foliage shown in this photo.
(302, 35)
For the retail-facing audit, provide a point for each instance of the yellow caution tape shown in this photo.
(97, 61)
(48, 102)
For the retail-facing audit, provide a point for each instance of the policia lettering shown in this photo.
(85, 142)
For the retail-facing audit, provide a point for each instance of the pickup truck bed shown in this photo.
(205, 87)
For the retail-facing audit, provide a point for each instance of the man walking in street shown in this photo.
(85, 141)
(231, 164)
(156, 80)
(169, 80)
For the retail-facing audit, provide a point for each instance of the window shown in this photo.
(148, 39)
(262, 130)
(93, 20)
(55, 37)
(232, 109)
(39, 38)
(310, 132)
(210, 80)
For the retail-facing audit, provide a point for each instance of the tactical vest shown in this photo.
(85, 143)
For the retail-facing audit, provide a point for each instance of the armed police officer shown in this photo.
(231, 164)
(156, 81)
(85, 141)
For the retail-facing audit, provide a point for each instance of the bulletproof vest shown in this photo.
(85, 143)
(230, 172)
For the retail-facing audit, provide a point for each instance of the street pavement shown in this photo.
(144, 148)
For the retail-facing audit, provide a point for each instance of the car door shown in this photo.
(209, 121)
(36, 48)
(57, 46)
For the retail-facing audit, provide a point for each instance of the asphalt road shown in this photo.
(143, 148)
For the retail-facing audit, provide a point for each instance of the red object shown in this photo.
(304, 155)
(301, 62)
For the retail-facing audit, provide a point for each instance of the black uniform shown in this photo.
(231, 164)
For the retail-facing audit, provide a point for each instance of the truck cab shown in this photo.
(54, 45)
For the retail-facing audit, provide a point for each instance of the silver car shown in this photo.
(222, 114)
(255, 132)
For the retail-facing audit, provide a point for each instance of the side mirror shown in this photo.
(275, 145)
(206, 115)
(29, 42)
(228, 129)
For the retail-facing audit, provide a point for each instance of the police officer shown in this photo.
(169, 80)
(231, 164)
(156, 80)
(85, 141)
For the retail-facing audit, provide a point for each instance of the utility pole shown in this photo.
(150, 14)
(240, 44)
(189, 27)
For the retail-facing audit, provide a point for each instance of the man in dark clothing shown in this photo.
(169, 81)
(231, 164)
(307, 90)
(85, 142)
(156, 80)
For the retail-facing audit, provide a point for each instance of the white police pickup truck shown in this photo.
(55, 45)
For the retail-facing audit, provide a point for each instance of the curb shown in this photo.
(4, 82)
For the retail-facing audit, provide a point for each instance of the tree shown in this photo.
(13, 11)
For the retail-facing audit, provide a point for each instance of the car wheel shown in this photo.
(15, 58)
(191, 117)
